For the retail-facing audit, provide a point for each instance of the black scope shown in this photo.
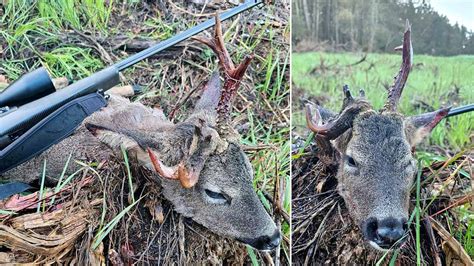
(31, 86)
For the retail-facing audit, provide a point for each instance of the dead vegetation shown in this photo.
(97, 202)
(323, 232)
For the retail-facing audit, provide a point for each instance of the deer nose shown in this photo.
(266, 242)
(386, 233)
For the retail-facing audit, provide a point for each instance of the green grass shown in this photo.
(35, 31)
(76, 14)
(465, 234)
(41, 191)
(160, 29)
(102, 233)
(431, 81)
(129, 172)
(71, 62)
(32, 28)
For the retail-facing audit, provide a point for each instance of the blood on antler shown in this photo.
(396, 89)
(232, 75)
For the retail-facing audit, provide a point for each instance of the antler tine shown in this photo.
(337, 126)
(396, 89)
(233, 74)
(348, 99)
(314, 121)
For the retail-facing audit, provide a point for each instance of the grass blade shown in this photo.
(109, 226)
(129, 173)
(57, 188)
(43, 177)
(253, 257)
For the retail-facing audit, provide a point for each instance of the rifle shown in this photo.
(34, 116)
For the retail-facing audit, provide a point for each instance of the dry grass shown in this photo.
(151, 232)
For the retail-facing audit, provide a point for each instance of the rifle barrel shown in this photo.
(132, 60)
(461, 110)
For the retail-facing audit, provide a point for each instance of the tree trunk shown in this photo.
(373, 24)
(306, 14)
(336, 23)
(316, 24)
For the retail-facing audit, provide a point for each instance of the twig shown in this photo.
(432, 240)
(452, 242)
(104, 54)
(173, 5)
(461, 201)
(358, 62)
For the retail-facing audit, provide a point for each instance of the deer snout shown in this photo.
(265, 242)
(385, 233)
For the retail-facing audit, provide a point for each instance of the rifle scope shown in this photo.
(29, 87)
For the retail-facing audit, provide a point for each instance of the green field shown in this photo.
(435, 81)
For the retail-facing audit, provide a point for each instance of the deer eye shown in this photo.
(216, 197)
(350, 161)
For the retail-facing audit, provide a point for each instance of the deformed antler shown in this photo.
(233, 75)
(205, 140)
(337, 126)
(396, 89)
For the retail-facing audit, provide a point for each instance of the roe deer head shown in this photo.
(374, 152)
(199, 162)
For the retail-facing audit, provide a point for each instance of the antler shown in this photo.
(334, 128)
(396, 89)
(204, 142)
(233, 75)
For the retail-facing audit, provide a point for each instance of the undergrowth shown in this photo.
(43, 33)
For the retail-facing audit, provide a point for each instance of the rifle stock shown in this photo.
(31, 113)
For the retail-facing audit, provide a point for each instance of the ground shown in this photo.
(322, 229)
(73, 39)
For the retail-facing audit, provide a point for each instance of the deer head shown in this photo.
(376, 167)
(200, 164)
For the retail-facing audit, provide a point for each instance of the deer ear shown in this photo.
(419, 126)
(115, 141)
(341, 142)
(211, 95)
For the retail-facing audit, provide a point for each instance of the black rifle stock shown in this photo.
(31, 113)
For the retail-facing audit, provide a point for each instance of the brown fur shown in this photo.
(224, 167)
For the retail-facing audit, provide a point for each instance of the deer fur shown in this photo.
(373, 152)
(202, 170)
